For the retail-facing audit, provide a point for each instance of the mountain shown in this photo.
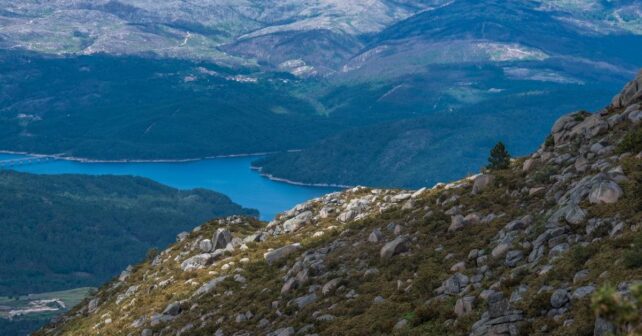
(188, 29)
(66, 231)
(109, 107)
(136, 79)
(468, 73)
(550, 245)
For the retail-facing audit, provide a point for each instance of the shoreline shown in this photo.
(259, 170)
(86, 160)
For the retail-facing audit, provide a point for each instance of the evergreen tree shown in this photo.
(499, 157)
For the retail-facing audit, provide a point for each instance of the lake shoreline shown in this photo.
(86, 160)
(259, 170)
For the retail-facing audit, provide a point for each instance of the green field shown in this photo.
(26, 323)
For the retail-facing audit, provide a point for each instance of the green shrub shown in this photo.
(622, 310)
(632, 141)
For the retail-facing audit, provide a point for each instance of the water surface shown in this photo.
(230, 176)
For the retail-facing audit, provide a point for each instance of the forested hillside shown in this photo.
(67, 231)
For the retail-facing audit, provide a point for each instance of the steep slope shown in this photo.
(66, 231)
(507, 252)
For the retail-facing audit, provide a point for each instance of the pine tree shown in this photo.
(499, 157)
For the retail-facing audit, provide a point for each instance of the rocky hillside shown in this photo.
(519, 251)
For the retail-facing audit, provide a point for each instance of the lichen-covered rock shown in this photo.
(605, 192)
(482, 182)
(196, 262)
(221, 239)
(398, 245)
(280, 253)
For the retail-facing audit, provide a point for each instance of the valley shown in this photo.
(172, 136)
(167, 81)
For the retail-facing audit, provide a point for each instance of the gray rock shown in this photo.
(574, 214)
(583, 291)
(93, 305)
(497, 304)
(289, 285)
(482, 182)
(472, 219)
(280, 253)
(528, 165)
(222, 237)
(263, 323)
(605, 192)
(500, 250)
(282, 332)
(375, 236)
(559, 298)
(326, 318)
(558, 250)
(401, 324)
(205, 245)
(398, 245)
(455, 283)
(580, 276)
(209, 286)
(173, 309)
(581, 165)
(458, 267)
(330, 286)
(513, 258)
(617, 229)
(635, 117)
(464, 306)
(196, 262)
(181, 236)
(305, 300)
(631, 92)
(299, 220)
(456, 223)
(398, 229)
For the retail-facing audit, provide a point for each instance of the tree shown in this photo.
(499, 157)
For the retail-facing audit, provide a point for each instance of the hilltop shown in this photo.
(523, 250)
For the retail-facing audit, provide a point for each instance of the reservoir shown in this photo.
(230, 176)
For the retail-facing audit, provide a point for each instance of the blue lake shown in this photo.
(230, 176)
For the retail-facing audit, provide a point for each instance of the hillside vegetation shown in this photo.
(68, 231)
(549, 246)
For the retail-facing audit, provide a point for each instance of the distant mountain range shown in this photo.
(410, 87)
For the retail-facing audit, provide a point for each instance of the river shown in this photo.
(230, 176)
